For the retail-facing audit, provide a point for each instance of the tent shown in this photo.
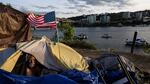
(55, 56)
(109, 68)
(13, 26)
(5, 53)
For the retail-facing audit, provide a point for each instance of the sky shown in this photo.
(70, 8)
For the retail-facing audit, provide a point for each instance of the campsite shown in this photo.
(24, 60)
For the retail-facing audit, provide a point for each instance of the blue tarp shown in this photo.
(8, 78)
(114, 75)
(67, 77)
(82, 77)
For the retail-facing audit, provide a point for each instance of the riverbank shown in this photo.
(142, 25)
(140, 61)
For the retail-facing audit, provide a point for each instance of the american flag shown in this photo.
(42, 21)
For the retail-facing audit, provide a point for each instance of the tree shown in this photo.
(68, 31)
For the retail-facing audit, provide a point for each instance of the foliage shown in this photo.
(80, 44)
(68, 31)
(147, 48)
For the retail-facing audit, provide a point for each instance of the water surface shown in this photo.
(117, 42)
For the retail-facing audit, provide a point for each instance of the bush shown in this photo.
(80, 44)
(68, 31)
(147, 48)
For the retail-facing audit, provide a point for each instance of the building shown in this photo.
(104, 18)
(139, 16)
(91, 19)
(126, 15)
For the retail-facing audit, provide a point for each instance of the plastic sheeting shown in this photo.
(67, 77)
(82, 77)
(8, 78)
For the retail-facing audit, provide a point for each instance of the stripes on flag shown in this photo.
(49, 24)
(42, 21)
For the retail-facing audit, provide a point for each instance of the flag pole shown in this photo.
(57, 33)
(58, 38)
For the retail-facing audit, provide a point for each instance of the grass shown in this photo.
(147, 48)
(80, 44)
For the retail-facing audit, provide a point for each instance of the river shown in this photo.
(117, 42)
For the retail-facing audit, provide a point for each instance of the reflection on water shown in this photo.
(117, 42)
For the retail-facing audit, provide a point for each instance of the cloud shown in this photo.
(60, 12)
(73, 1)
(116, 3)
(81, 10)
(78, 7)
(82, 6)
(45, 7)
(93, 6)
(72, 7)
(23, 9)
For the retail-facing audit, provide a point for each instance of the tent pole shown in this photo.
(125, 70)
(99, 73)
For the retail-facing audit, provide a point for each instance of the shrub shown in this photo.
(80, 44)
(147, 48)
(68, 31)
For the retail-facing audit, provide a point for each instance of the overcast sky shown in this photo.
(68, 8)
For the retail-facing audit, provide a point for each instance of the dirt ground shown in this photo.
(140, 61)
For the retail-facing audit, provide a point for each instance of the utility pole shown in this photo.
(133, 42)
